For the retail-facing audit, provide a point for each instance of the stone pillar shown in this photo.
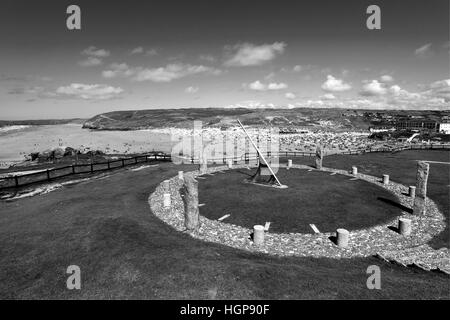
(354, 170)
(166, 186)
(342, 237)
(230, 164)
(404, 226)
(423, 169)
(180, 175)
(189, 193)
(412, 191)
(167, 201)
(385, 179)
(289, 164)
(319, 157)
(258, 235)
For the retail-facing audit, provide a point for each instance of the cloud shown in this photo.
(162, 74)
(259, 86)
(137, 50)
(439, 89)
(29, 90)
(248, 54)
(386, 78)
(424, 51)
(373, 88)
(95, 52)
(86, 92)
(290, 95)
(297, 68)
(90, 62)
(335, 85)
(207, 57)
(151, 52)
(328, 96)
(191, 89)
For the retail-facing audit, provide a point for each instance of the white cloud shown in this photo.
(290, 95)
(335, 85)
(137, 50)
(191, 89)
(329, 96)
(439, 89)
(90, 62)
(87, 91)
(424, 51)
(373, 88)
(95, 52)
(297, 68)
(151, 52)
(248, 54)
(207, 57)
(162, 74)
(386, 78)
(259, 86)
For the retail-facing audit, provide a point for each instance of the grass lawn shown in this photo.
(330, 202)
(106, 228)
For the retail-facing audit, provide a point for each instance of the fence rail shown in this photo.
(60, 172)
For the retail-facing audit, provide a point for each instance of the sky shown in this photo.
(133, 55)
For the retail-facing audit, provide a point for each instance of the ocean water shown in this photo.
(17, 142)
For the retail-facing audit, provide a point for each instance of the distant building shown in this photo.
(420, 125)
(381, 129)
(444, 127)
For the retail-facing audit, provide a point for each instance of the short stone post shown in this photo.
(354, 170)
(319, 157)
(342, 237)
(289, 164)
(230, 164)
(180, 175)
(404, 226)
(167, 200)
(423, 169)
(385, 179)
(189, 193)
(412, 191)
(166, 186)
(258, 235)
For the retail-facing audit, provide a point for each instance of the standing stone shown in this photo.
(354, 170)
(289, 165)
(385, 179)
(258, 235)
(412, 191)
(204, 162)
(404, 226)
(319, 157)
(189, 193)
(342, 237)
(230, 164)
(180, 175)
(167, 201)
(423, 169)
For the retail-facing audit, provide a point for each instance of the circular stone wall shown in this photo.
(312, 197)
(362, 242)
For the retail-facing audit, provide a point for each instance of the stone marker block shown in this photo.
(412, 191)
(166, 186)
(180, 175)
(289, 165)
(189, 192)
(258, 235)
(423, 169)
(385, 179)
(342, 237)
(167, 201)
(354, 170)
(230, 164)
(404, 226)
(319, 157)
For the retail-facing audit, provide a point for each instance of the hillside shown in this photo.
(215, 117)
(325, 119)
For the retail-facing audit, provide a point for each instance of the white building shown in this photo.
(444, 127)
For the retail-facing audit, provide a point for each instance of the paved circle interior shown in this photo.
(313, 197)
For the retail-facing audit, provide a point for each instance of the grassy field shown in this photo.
(106, 228)
(330, 202)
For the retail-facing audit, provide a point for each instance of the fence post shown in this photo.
(92, 167)
(73, 169)
(109, 167)
(123, 163)
(48, 175)
(16, 180)
(135, 159)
